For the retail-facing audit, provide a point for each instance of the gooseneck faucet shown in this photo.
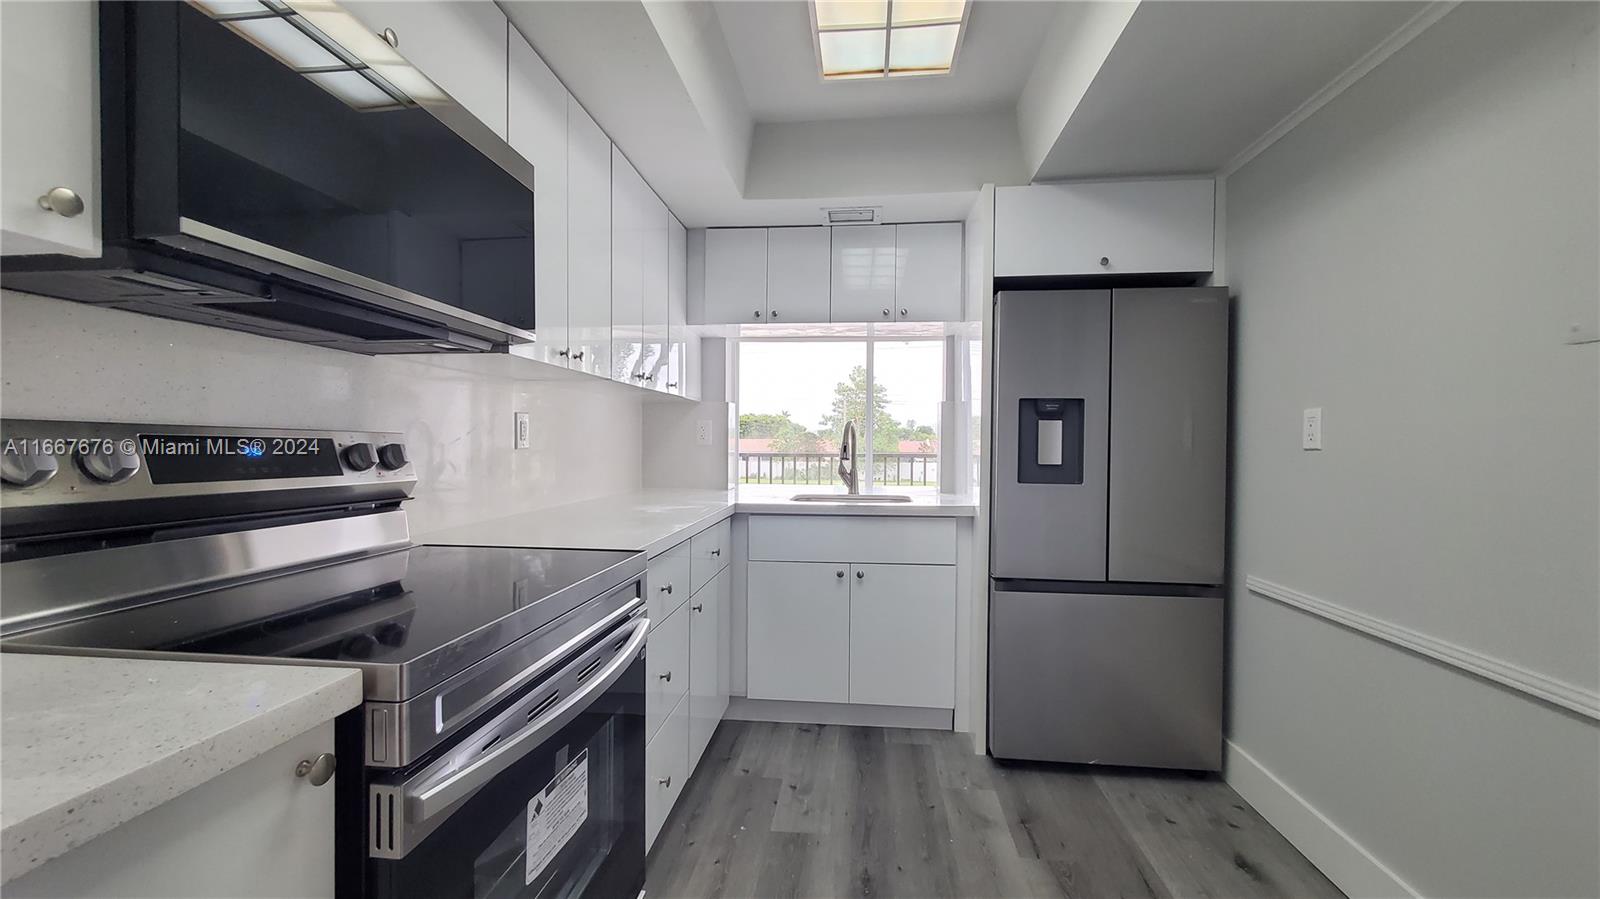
(847, 458)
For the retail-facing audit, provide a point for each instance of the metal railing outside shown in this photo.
(888, 469)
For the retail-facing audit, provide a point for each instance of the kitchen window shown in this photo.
(795, 394)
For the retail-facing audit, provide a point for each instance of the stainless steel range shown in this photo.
(492, 675)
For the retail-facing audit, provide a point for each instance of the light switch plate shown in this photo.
(524, 431)
(702, 432)
(1311, 429)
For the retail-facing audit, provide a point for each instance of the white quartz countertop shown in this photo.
(655, 520)
(86, 744)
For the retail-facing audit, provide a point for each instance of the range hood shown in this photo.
(261, 177)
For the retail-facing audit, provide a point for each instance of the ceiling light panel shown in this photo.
(879, 38)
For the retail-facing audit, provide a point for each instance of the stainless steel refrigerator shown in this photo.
(1108, 526)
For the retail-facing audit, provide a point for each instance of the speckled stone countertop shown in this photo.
(88, 743)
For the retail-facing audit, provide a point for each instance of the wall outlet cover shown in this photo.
(1311, 429)
(702, 432)
(524, 431)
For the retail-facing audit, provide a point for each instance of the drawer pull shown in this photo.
(667, 589)
(666, 676)
(861, 575)
(665, 781)
(839, 573)
(717, 552)
(318, 770)
(699, 607)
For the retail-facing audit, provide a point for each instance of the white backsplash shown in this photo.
(72, 361)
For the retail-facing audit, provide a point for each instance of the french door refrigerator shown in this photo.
(1108, 526)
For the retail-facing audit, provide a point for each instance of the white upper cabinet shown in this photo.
(736, 275)
(628, 224)
(864, 273)
(797, 274)
(460, 46)
(536, 127)
(678, 337)
(588, 242)
(657, 275)
(48, 85)
(928, 279)
(1105, 227)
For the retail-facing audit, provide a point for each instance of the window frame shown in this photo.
(865, 433)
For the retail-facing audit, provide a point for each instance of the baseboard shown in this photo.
(1345, 862)
(742, 708)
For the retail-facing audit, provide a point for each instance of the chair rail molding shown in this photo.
(1537, 686)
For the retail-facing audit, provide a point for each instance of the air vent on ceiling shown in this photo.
(852, 216)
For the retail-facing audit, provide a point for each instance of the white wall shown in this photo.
(73, 361)
(1411, 259)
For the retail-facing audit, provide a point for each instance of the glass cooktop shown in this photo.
(433, 610)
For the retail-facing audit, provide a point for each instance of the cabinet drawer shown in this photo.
(666, 663)
(710, 550)
(667, 583)
(666, 767)
(852, 538)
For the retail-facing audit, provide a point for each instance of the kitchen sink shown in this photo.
(850, 498)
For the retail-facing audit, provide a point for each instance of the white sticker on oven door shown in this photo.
(555, 814)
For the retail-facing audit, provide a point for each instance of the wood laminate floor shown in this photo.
(792, 810)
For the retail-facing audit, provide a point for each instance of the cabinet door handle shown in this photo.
(666, 676)
(564, 353)
(318, 770)
(885, 313)
(1105, 260)
(903, 311)
(772, 314)
(716, 552)
(699, 607)
(578, 355)
(758, 313)
(390, 38)
(63, 201)
(861, 575)
(665, 781)
(672, 385)
(667, 589)
(839, 573)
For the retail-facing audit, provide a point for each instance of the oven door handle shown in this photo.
(433, 798)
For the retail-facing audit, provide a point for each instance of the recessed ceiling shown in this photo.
(770, 41)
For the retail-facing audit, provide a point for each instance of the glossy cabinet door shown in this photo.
(799, 631)
(49, 85)
(1104, 227)
(536, 127)
(798, 281)
(705, 665)
(460, 46)
(656, 259)
(588, 242)
(627, 270)
(864, 273)
(903, 635)
(678, 336)
(928, 272)
(666, 768)
(736, 276)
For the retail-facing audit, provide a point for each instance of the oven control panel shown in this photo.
(63, 463)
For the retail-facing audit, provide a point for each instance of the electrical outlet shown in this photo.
(702, 432)
(1311, 429)
(524, 431)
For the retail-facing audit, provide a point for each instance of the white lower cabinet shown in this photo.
(707, 702)
(257, 830)
(799, 620)
(875, 627)
(686, 665)
(666, 669)
(666, 767)
(903, 635)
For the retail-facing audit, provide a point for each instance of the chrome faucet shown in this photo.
(847, 458)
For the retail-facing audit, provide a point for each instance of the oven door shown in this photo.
(545, 800)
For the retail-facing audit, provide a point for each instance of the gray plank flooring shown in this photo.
(802, 810)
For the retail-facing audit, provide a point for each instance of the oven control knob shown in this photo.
(360, 646)
(392, 456)
(24, 468)
(359, 456)
(111, 465)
